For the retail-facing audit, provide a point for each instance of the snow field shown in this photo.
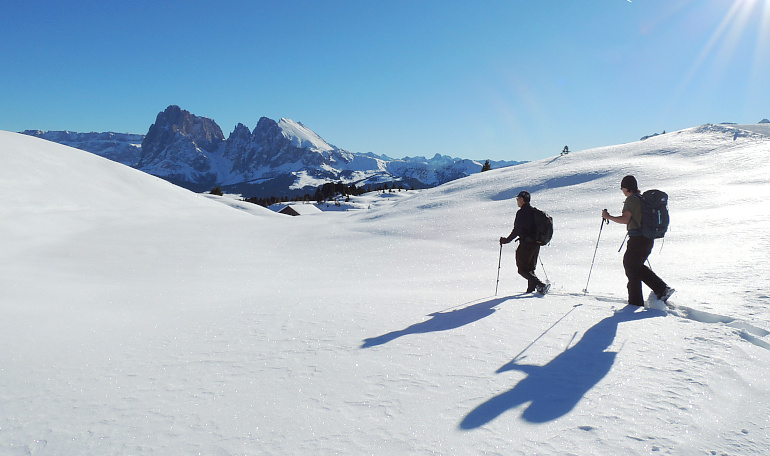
(139, 318)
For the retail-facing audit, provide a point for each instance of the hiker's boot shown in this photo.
(666, 294)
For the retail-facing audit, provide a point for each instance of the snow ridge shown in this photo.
(303, 137)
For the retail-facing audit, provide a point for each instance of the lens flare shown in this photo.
(745, 26)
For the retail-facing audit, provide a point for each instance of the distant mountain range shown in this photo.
(283, 158)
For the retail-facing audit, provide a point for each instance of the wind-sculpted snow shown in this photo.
(141, 318)
(550, 183)
(746, 330)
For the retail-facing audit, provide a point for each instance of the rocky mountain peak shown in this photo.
(175, 125)
(179, 147)
(267, 131)
(276, 158)
(240, 132)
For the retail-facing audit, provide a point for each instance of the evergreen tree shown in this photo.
(487, 166)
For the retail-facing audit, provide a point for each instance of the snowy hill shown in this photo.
(283, 158)
(140, 318)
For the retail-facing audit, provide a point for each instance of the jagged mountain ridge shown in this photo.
(276, 158)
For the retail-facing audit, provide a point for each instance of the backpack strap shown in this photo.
(638, 230)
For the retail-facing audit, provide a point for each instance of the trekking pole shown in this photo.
(623, 243)
(539, 257)
(585, 290)
(499, 260)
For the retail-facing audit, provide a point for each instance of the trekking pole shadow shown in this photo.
(517, 357)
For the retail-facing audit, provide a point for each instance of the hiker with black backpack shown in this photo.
(640, 241)
(524, 228)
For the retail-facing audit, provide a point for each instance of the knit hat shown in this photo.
(629, 182)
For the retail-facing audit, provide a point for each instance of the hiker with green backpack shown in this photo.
(646, 218)
(530, 240)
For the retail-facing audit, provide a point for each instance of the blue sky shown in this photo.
(512, 80)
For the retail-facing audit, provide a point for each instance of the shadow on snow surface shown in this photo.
(555, 388)
(445, 320)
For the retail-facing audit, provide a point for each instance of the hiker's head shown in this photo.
(629, 183)
(522, 198)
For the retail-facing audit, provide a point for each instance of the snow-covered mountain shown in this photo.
(276, 158)
(141, 318)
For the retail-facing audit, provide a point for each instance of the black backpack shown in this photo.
(654, 213)
(543, 226)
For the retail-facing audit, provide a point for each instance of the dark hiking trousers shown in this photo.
(637, 251)
(526, 262)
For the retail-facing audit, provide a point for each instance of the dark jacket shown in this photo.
(523, 225)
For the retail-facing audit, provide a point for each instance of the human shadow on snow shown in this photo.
(445, 320)
(554, 389)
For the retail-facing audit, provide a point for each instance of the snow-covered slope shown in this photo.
(303, 137)
(139, 318)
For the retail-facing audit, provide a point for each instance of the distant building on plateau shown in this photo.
(299, 209)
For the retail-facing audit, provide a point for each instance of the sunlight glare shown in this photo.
(724, 42)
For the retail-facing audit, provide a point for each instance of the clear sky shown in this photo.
(513, 80)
